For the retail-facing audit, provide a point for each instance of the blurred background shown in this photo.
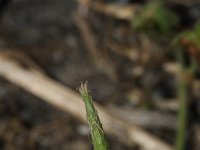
(140, 58)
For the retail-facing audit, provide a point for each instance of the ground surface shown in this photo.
(48, 33)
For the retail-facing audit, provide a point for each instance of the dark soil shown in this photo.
(46, 31)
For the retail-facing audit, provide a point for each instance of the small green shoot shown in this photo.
(99, 140)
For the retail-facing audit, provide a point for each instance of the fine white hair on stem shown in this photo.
(83, 88)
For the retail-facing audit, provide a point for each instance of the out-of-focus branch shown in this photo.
(31, 79)
(125, 12)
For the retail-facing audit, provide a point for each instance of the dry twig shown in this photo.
(125, 12)
(36, 82)
(145, 118)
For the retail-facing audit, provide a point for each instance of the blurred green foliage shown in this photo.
(191, 37)
(155, 18)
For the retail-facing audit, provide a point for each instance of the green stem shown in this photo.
(182, 116)
(99, 140)
(182, 113)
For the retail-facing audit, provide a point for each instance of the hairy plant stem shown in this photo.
(99, 140)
